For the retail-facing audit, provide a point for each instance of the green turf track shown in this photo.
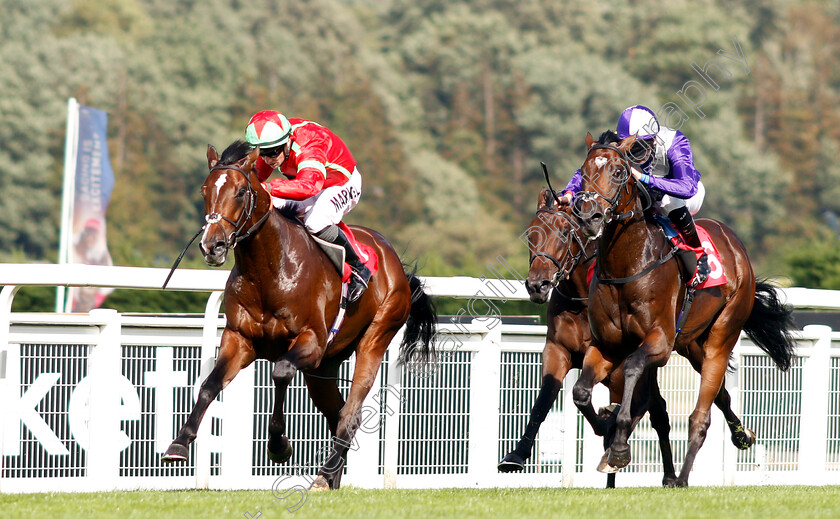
(630, 503)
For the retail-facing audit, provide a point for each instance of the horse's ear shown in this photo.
(626, 144)
(212, 156)
(589, 140)
(544, 198)
(252, 157)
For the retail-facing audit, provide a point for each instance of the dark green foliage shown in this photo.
(449, 107)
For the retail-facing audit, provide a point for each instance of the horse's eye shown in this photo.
(241, 192)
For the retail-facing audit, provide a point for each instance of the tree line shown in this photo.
(449, 107)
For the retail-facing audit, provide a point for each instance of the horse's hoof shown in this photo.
(609, 411)
(513, 462)
(669, 481)
(743, 438)
(319, 485)
(176, 453)
(281, 453)
(604, 465)
(618, 458)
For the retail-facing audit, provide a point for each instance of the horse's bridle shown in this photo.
(589, 196)
(212, 218)
(238, 226)
(614, 203)
(577, 259)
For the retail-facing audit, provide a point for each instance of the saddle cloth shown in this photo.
(365, 253)
(717, 276)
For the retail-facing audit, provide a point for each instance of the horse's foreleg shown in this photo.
(279, 447)
(654, 351)
(595, 369)
(235, 353)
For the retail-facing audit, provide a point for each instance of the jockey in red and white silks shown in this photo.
(323, 183)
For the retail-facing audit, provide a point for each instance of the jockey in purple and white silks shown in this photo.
(668, 171)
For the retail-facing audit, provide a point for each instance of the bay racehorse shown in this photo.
(559, 262)
(281, 298)
(638, 290)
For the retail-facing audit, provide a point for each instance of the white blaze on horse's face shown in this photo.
(600, 162)
(220, 182)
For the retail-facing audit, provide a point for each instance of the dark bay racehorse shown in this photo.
(281, 299)
(637, 293)
(558, 269)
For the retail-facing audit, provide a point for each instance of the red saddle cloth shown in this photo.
(365, 253)
(717, 276)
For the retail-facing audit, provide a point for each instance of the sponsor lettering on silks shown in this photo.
(344, 197)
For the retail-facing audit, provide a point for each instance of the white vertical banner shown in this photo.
(88, 183)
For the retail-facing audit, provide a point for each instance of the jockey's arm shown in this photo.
(683, 177)
(308, 183)
(573, 186)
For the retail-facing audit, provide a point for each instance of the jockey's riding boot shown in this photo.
(685, 225)
(360, 274)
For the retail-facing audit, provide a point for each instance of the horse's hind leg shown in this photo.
(369, 355)
(741, 437)
(235, 353)
(279, 447)
(711, 382)
(556, 364)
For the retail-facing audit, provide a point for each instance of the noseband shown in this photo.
(238, 226)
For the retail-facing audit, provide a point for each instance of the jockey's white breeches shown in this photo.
(669, 203)
(327, 207)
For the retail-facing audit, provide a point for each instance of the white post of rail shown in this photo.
(209, 342)
(393, 406)
(815, 394)
(733, 386)
(484, 405)
(363, 454)
(6, 298)
(104, 370)
(570, 437)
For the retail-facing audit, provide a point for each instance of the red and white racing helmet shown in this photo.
(268, 129)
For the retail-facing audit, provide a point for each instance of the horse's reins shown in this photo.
(618, 216)
(561, 271)
(647, 204)
(235, 237)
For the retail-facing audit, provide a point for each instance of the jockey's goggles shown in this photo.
(271, 152)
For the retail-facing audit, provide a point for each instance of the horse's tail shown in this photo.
(417, 347)
(770, 325)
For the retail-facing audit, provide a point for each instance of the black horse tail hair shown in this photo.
(417, 347)
(770, 325)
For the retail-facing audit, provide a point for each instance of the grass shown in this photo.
(636, 503)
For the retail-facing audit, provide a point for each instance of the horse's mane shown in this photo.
(235, 152)
(608, 137)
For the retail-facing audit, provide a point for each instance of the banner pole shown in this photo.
(71, 144)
